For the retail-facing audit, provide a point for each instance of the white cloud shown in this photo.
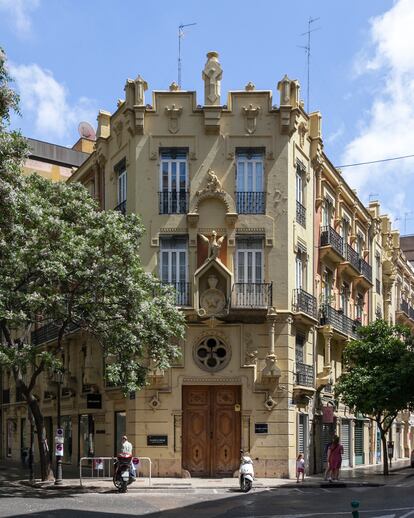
(332, 137)
(18, 11)
(387, 129)
(46, 100)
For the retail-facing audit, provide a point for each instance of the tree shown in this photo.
(378, 378)
(66, 264)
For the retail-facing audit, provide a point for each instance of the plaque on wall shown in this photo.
(157, 440)
(93, 400)
(261, 428)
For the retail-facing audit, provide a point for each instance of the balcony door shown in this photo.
(173, 181)
(249, 182)
(250, 290)
(173, 266)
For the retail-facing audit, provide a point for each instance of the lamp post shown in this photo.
(59, 435)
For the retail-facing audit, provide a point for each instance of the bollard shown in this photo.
(355, 506)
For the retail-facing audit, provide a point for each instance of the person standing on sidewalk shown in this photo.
(126, 447)
(335, 453)
(300, 467)
(326, 455)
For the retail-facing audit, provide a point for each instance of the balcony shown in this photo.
(49, 332)
(304, 375)
(304, 302)
(182, 292)
(300, 214)
(366, 273)
(121, 207)
(351, 263)
(250, 202)
(331, 245)
(339, 321)
(251, 295)
(173, 202)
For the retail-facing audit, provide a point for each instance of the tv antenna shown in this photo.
(180, 35)
(308, 54)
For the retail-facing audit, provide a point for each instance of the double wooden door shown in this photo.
(211, 430)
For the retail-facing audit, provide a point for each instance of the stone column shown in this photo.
(211, 76)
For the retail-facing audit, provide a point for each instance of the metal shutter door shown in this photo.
(301, 434)
(359, 442)
(345, 441)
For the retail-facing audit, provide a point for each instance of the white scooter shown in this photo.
(246, 472)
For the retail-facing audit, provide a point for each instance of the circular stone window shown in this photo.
(212, 354)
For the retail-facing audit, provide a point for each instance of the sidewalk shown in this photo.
(350, 477)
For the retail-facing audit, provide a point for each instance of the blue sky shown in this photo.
(71, 58)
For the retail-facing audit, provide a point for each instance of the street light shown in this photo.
(59, 435)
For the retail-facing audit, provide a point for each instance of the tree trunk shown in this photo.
(46, 471)
(384, 451)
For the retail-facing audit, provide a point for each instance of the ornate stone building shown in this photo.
(270, 253)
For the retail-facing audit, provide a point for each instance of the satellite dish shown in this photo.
(86, 131)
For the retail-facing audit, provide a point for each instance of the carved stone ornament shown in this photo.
(212, 353)
(173, 115)
(213, 184)
(251, 353)
(250, 87)
(212, 74)
(213, 301)
(250, 118)
(174, 87)
(140, 87)
(118, 132)
(303, 129)
(214, 245)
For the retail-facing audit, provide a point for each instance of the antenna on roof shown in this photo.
(86, 131)
(308, 54)
(180, 35)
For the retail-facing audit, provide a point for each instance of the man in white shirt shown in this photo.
(127, 448)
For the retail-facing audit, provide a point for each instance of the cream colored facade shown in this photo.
(245, 215)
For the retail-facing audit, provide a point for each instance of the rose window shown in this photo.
(212, 354)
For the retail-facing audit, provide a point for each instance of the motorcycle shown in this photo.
(124, 469)
(246, 472)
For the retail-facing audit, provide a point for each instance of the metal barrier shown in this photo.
(101, 468)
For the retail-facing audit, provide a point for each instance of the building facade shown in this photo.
(271, 255)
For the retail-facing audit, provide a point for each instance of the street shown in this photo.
(393, 500)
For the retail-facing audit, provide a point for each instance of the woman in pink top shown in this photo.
(335, 453)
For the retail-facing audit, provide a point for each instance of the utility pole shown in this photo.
(180, 35)
(308, 55)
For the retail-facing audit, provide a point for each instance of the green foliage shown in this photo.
(378, 378)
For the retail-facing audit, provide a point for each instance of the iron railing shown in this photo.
(329, 237)
(300, 214)
(365, 269)
(121, 207)
(351, 256)
(252, 295)
(305, 302)
(173, 202)
(339, 321)
(182, 292)
(49, 332)
(305, 375)
(250, 202)
(377, 285)
(404, 307)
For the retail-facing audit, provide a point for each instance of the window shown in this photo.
(300, 195)
(359, 307)
(345, 298)
(299, 348)
(378, 273)
(359, 244)
(250, 182)
(327, 212)
(345, 228)
(301, 260)
(249, 260)
(120, 169)
(173, 196)
(173, 266)
(327, 286)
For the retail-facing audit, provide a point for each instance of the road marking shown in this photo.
(407, 514)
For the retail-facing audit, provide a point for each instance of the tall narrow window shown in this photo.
(250, 182)
(173, 266)
(345, 298)
(300, 194)
(121, 171)
(301, 260)
(359, 309)
(327, 212)
(359, 244)
(250, 290)
(345, 228)
(173, 196)
(327, 286)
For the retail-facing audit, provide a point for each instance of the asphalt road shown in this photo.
(390, 501)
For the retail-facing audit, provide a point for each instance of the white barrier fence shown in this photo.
(102, 468)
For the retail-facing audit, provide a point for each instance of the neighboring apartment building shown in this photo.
(271, 256)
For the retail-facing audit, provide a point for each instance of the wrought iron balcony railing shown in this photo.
(365, 269)
(300, 214)
(182, 292)
(49, 332)
(252, 295)
(351, 256)
(250, 202)
(305, 302)
(329, 237)
(173, 202)
(339, 321)
(404, 307)
(121, 207)
(305, 375)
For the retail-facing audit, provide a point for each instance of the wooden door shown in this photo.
(211, 430)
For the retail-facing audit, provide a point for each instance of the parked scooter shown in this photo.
(124, 471)
(246, 472)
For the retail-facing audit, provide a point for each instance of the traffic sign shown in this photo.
(59, 450)
(59, 432)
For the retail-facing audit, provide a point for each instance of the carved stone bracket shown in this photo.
(250, 118)
(173, 114)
